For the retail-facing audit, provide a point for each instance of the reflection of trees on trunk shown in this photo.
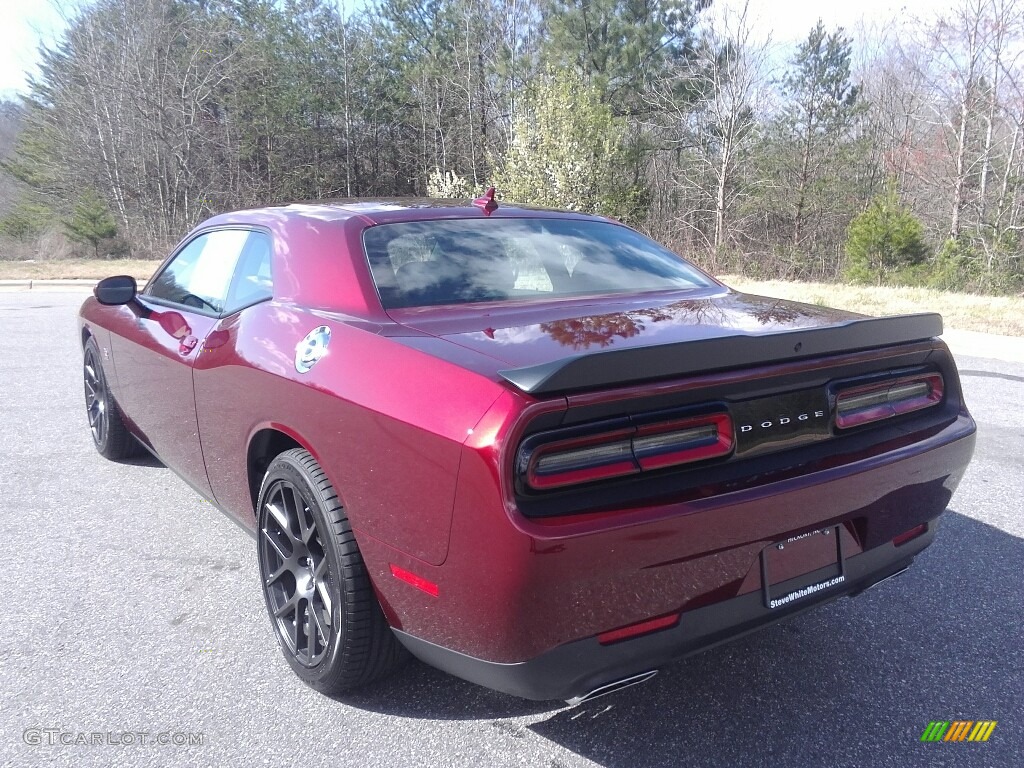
(602, 330)
(702, 312)
(586, 332)
(775, 312)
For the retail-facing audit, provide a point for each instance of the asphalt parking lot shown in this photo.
(132, 606)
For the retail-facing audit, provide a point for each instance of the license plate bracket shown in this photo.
(802, 565)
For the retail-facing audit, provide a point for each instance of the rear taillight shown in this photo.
(583, 460)
(627, 451)
(875, 402)
(665, 445)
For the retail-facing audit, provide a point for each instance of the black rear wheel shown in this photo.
(109, 434)
(318, 593)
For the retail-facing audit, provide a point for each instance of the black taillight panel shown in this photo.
(612, 449)
(869, 400)
(778, 428)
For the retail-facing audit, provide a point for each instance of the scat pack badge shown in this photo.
(309, 351)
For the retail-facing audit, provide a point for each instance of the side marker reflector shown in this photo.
(913, 533)
(417, 581)
(641, 628)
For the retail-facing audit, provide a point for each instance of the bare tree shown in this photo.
(710, 138)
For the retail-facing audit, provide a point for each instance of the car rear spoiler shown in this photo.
(623, 366)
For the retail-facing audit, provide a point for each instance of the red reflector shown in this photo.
(875, 402)
(650, 625)
(417, 581)
(913, 533)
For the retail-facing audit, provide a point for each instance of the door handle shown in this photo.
(187, 344)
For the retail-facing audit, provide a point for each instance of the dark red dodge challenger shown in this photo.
(533, 448)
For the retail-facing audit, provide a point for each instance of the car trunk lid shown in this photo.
(602, 341)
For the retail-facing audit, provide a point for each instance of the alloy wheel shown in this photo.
(296, 575)
(95, 398)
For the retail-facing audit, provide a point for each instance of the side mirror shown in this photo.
(119, 289)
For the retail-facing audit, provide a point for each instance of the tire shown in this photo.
(315, 585)
(109, 434)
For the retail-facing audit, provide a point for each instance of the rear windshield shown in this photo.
(423, 263)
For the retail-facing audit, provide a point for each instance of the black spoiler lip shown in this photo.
(625, 366)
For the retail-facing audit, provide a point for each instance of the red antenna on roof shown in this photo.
(487, 203)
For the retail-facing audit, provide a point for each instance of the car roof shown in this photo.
(310, 236)
(389, 210)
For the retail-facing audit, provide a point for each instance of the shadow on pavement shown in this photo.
(144, 459)
(419, 691)
(853, 683)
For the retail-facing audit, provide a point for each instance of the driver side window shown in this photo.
(199, 276)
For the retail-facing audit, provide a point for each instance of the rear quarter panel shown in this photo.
(385, 421)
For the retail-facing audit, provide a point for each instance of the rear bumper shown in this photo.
(519, 607)
(575, 669)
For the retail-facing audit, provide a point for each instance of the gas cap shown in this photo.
(309, 351)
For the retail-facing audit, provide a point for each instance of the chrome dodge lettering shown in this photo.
(783, 420)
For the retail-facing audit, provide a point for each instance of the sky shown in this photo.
(26, 23)
(789, 21)
(23, 25)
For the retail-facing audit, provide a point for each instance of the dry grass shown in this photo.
(69, 269)
(989, 314)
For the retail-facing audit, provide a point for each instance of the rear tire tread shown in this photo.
(369, 648)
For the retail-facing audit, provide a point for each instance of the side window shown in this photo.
(200, 274)
(253, 281)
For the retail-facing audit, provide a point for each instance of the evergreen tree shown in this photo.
(91, 222)
(884, 241)
(26, 219)
(815, 132)
(622, 46)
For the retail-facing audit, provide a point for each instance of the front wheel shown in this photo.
(318, 593)
(109, 433)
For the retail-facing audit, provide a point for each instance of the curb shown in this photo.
(29, 284)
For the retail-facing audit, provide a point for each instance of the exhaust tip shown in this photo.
(617, 685)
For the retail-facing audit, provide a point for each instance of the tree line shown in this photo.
(895, 158)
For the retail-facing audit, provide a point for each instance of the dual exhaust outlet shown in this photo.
(617, 685)
(643, 677)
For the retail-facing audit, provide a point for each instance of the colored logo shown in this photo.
(958, 730)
